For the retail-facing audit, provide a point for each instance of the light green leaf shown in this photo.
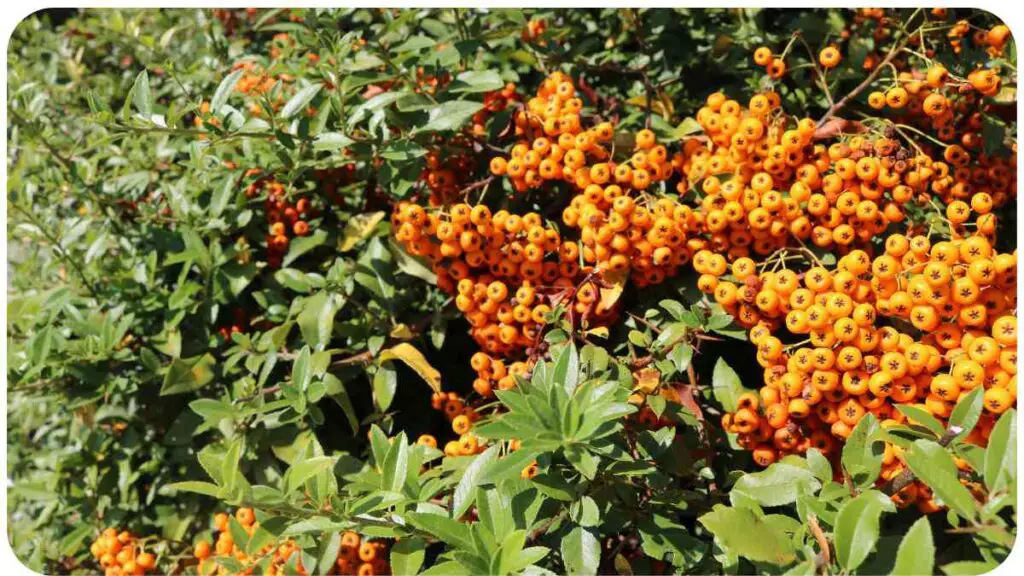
(856, 530)
(916, 554)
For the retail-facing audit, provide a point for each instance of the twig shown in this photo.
(865, 83)
(824, 557)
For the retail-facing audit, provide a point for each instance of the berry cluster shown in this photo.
(920, 325)
(356, 556)
(507, 271)
(121, 554)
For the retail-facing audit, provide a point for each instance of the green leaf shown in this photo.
(856, 529)
(300, 100)
(305, 469)
(316, 321)
(301, 374)
(72, 542)
(224, 89)
(188, 375)
(449, 116)
(507, 467)
(734, 527)
(862, 454)
(332, 141)
(665, 540)
(967, 411)
(916, 554)
(567, 368)
(820, 465)
(204, 488)
(292, 279)
(396, 465)
(726, 385)
(969, 567)
(1001, 454)
(923, 418)
(581, 551)
(462, 498)
(407, 555)
(452, 532)
(777, 485)
(476, 81)
(934, 466)
(385, 382)
(140, 95)
(303, 244)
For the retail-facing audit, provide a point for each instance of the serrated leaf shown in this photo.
(856, 529)
(916, 554)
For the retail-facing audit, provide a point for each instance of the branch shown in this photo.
(865, 83)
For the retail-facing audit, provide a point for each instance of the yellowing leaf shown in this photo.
(610, 294)
(358, 228)
(401, 332)
(600, 332)
(414, 359)
(640, 101)
(647, 380)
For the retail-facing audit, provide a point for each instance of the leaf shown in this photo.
(316, 321)
(303, 470)
(934, 466)
(407, 555)
(734, 527)
(72, 541)
(385, 383)
(224, 89)
(687, 127)
(453, 532)
(616, 283)
(358, 228)
(777, 485)
(188, 375)
(507, 467)
(396, 465)
(301, 374)
(292, 279)
(204, 488)
(140, 95)
(819, 465)
(665, 540)
(969, 568)
(967, 411)
(726, 385)
(449, 116)
(414, 359)
(466, 490)
(581, 551)
(300, 100)
(916, 554)
(412, 265)
(856, 529)
(303, 244)
(476, 81)
(923, 418)
(332, 141)
(1001, 454)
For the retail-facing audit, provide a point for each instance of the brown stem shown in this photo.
(839, 105)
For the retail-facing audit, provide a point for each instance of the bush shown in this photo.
(704, 291)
